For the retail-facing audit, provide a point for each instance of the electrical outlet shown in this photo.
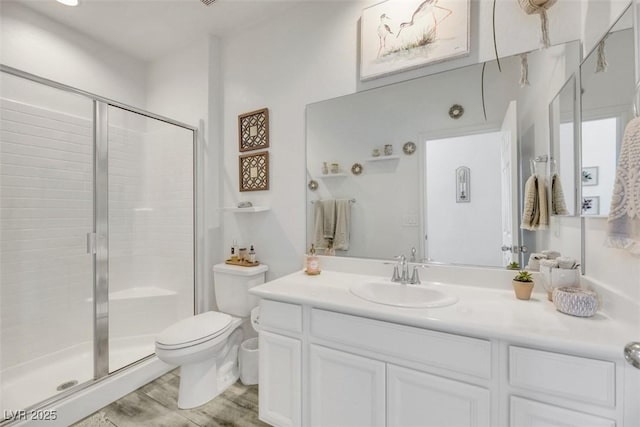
(410, 220)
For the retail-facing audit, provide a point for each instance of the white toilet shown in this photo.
(206, 346)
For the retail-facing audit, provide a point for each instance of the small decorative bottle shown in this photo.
(252, 255)
(313, 263)
(234, 257)
(325, 168)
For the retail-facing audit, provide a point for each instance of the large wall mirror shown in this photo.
(607, 80)
(563, 122)
(432, 164)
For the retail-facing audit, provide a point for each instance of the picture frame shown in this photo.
(253, 130)
(400, 35)
(589, 176)
(253, 171)
(590, 205)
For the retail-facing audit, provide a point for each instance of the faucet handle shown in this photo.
(396, 275)
(415, 278)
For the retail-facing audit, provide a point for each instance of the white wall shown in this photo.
(186, 86)
(273, 66)
(269, 66)
(41, 46)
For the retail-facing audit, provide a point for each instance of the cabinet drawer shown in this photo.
(578, 378)
(525, 412)
(465, 355)
(280, 316)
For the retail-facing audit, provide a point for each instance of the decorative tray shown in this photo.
(242, 263)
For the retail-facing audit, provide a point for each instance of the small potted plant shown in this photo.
(513, 266)
(523, 285)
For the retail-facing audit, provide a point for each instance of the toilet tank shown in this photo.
(232, 284)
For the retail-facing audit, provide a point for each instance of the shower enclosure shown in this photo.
(97, 248)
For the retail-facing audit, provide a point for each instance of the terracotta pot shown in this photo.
(522, 289)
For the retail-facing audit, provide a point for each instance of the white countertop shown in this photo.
(481, 311)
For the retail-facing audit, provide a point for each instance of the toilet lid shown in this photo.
(193, 330)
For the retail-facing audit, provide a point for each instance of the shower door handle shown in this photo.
(91, 243)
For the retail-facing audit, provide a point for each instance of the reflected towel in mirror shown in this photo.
(623, 229)
(343, 225)
(332, 223)
(558, 205)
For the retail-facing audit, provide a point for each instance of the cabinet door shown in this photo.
(346, 390)
(416, 398)
(529, 413)
(279, 378)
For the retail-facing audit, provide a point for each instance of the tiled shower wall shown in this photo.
(46, 210)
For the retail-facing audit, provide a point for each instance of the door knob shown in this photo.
(632, 354)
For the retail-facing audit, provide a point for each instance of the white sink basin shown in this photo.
(396, 294)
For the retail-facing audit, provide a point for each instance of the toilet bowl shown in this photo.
(206, 346)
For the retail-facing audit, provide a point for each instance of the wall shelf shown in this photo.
(251, 209)
(381, 158)
(333, 175)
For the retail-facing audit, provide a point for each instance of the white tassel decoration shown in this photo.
(544, 23)
(524, 70)
(602, 64)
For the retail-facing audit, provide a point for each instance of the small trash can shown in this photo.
(248, 360)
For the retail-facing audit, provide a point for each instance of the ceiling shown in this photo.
(150, 29)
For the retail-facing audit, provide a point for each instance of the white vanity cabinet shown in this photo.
(280, 365)
(569, 384)
(345, 389)
(416, 398)
(324, 368)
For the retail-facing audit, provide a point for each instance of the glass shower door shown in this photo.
(150, 228)
(46, 213)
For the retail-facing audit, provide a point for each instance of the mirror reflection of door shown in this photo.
(472, 231)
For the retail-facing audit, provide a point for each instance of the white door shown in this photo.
(279, 373)
(416, 398)
(529, 413)
(346, 390)
(509, 169)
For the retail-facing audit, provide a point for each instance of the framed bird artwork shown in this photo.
(398, 35)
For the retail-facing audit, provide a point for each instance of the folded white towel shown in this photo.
(551, 254)
(343, 224)
(624, 216)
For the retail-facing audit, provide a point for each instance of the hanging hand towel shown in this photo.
(535, 215)
(558, 205)
(530, 211)
(543, 205)
(624, 217)
(343, 224)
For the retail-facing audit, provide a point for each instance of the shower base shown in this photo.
(32, 382)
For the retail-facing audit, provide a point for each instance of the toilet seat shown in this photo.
(194, 330)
